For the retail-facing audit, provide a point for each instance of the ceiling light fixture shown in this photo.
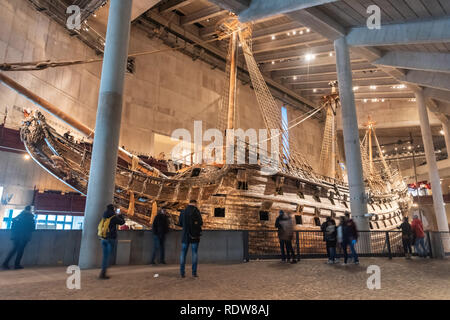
(273, 37)
(373, 87)
(310, 57)
(355, 88)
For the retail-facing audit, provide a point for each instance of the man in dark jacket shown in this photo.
(350, 236)
(22, 227)
(109, 241)
(285, 235)
(191, 221)
(160, 227)
(330, 237)
(406, 237)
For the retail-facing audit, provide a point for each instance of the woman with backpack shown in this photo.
(107, 231)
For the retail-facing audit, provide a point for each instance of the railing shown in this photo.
(264, 244)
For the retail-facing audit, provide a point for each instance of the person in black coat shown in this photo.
(160, 228)
(407, 235)
(189, 218)
(109, 241)
(22, 227)
(285, 235)
(330, 237)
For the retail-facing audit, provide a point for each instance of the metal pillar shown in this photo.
(438, 200)
(358, 199)
(107, 129)
(233, 76)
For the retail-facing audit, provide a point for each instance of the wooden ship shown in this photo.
(230, 196)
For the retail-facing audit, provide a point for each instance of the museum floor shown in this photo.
(308, 279)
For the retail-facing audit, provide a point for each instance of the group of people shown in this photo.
(413, 234)
(343, 236)
(337, 238)
(190, 220)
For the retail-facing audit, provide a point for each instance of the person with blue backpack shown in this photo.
(107, 232)
(191, 221)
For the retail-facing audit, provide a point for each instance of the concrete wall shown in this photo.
(168, 90)
(19, 176)
(49, 247)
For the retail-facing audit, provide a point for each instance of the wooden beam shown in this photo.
(202, 15)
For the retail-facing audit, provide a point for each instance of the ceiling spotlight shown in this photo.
(315, 90)
(26, 157)
(308, 30)
(288, 33)
(355, 88)
(409, 148)
(309, 57)
(301, 32)
(294, 32)
(373, 87)
(331, 54)
(395, 148)
(273, 62)
(442, 132)
(365, 100)
(382, 100)
(295, 77)
(273, 37)
(374, 100)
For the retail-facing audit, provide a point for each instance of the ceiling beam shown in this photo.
(201, 15)
(291, 42)
(296, 53)
(432, 31)
(428, 79)
(326, 78)
(263, 8)
(307, 71)
(438, 110)
(319, 22)
(427, 61)
(277, 30)
(171, 5)
(436, 94)
(292, 64)
(235, 6)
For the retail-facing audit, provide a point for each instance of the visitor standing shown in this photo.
(107, 231)
(160, 228)
(419, 236)
(330, 237)
(285, 235)
(22, 227)
(406, 237)
(349, 238)
(340, 238)
(191, 221)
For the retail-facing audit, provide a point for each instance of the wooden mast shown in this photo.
(233, 76)
(47, 106)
